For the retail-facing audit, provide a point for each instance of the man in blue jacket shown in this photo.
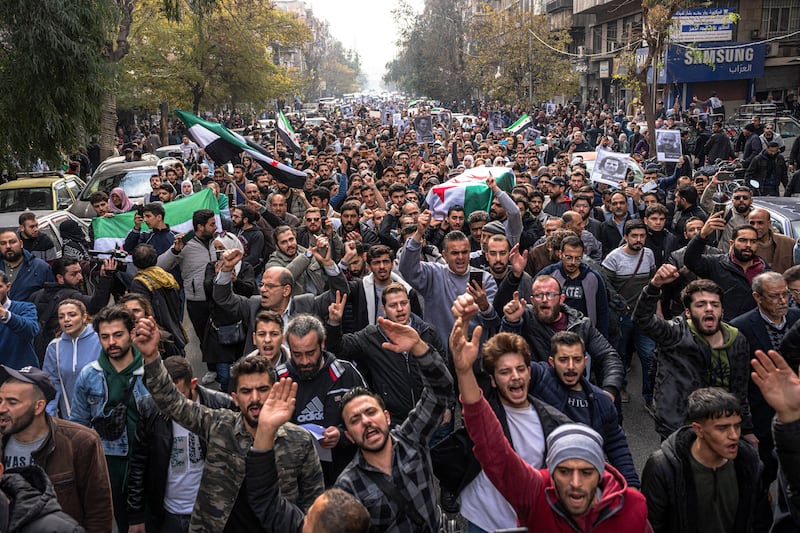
(562, 383)
(24, 271)
(18, 327)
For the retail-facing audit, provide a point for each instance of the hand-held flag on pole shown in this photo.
(222, 145)
(286, 133)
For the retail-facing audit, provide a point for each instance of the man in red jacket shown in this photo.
(577, 491)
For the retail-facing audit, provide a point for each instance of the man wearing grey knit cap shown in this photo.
(577, 492)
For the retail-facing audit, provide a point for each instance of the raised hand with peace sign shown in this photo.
(336, 309)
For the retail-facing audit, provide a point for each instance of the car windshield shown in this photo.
(795, 229)
(788, 129)
(135, 183)
(38, 199)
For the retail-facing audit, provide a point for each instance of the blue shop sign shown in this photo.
(715, 62)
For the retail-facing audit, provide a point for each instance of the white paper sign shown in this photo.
(668, 146)
(610, 167)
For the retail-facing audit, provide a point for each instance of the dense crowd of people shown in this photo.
(373, 366)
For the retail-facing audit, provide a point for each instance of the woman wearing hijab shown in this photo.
(119, 201)
(74, 240)
(187, 189)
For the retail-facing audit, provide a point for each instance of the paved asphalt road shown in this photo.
(638, 425)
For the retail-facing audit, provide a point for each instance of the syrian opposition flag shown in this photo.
(522, 122)
(287, 133)
(468, 190)
(222, 145)
(110, 232)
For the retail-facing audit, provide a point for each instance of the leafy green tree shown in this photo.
(53, 75)
(431, 50)
(209, 56)
(504, 58)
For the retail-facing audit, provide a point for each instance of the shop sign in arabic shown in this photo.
(702, 25)
(715, 61)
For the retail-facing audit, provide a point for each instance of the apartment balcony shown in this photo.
(558, 5)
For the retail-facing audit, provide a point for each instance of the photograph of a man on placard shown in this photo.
(668, 145)
(445, 117)
(610, 168)
(495, 121)
(531, 134)
(423, 125)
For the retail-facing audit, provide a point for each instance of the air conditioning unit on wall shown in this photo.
(772, 50)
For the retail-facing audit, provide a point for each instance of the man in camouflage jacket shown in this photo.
(228, 439)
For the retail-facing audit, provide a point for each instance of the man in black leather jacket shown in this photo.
(154, 457)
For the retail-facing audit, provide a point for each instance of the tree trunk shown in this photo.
(197, 96)
(164, 109)
(108, 120)
(108, 126)
(649, 112)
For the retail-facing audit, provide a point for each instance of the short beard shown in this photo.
(739, 257)
(698, 325)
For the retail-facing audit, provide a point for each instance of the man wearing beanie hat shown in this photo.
(490, 229)
(577, 491)
(71, 455)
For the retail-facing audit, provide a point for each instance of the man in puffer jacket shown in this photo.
(28, 503)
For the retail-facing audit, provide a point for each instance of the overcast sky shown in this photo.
(366, 26)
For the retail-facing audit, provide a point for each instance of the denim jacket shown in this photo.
(91, 395)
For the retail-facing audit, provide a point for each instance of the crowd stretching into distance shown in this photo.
(375, 366)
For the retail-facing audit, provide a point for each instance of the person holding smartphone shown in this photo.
(440, 284)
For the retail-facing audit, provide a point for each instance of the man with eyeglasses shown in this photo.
(792, 277)
(765, 328)
(583, 286)
(547, 315)
(275, 292)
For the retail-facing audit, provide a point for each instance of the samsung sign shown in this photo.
(715, 62)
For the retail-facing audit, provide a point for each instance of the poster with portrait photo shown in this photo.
(445, 117)
(610, 167)
(668, 146)
(347, 111)
(423, 125)
(495, 121)
(531, 134)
